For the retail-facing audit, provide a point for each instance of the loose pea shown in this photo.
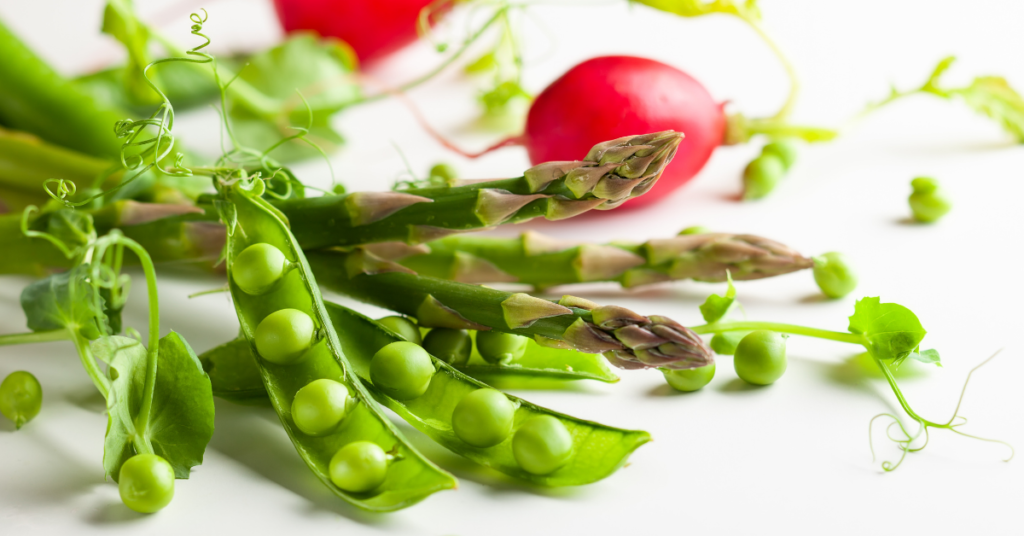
(929, 202)
(402, 370)
(785, 150)
(258, 267)
(445, 172)
(483, 418)
(761, 176)
(319, 407)
(689, 379)
(146, 483)
(497, 347)
(725, 343)
(696, 229)
(761, 357)
(453, 346)
(359, 467)
(542, 445)
(403, 327)
(284, 336)
(833, 275)
(21, 397)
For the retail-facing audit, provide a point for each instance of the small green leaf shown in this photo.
(65, 301)
(927, 356)
(181, 421)
(716, 307)
(993, 97)
(891, 331)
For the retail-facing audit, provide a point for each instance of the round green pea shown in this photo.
(146, 483)
(453, 346)
(761, 357)
(725, 343)
(785, 150)
(542, 445)
(483, 418)
(284, 336)
(258, 268)
(761, 175)
(929, 202)
(359, 467)
(689, 379)
(21, 397)
(497, 347)
(319, 407)
(445, 172)
(833, 274)
(403, 327)
(402, 370)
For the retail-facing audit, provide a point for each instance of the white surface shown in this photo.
(791, 458)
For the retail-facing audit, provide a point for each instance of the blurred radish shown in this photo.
(373, 28)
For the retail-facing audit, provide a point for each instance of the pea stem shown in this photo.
(794, 81)
(35, 336)
(903, 401)
(99, 379)
(792, 329)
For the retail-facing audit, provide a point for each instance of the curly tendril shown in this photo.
(906, 440)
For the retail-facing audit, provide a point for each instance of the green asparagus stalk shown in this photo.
(627, 339)
(544, 262)
(611, 173)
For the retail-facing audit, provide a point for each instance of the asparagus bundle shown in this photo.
(543, 262)
(611, 173)
(627, 339)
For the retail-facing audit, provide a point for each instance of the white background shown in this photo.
(790, 458)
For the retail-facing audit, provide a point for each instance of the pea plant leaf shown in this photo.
(717, 307)
(181, 422)
(891, 331)
(65, 301)
(278, 85)
(927, 356)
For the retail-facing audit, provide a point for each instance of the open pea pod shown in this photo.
(597, 450)
(411, 477)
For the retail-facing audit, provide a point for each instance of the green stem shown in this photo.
(794, 81)
(792, 329)
(903, 401)
(35, 336)
(142, 443)
(99, 379)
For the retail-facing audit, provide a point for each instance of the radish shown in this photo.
(613, 96)
(373, 28)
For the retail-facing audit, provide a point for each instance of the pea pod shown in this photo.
(544, 362)
(411, 477)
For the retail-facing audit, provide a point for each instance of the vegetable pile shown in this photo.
(93, 191)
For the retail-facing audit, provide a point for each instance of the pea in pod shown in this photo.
(288, 362)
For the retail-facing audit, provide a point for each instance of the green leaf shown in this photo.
(120, 22)
(716, 307)
(891, 331)
(181, 420)
(74, 228)
(927, 356)
(992, 96)
(301, 68)
(65, 301)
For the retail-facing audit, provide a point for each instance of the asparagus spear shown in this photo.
(611, 173)
(544, 262)
(627, 339)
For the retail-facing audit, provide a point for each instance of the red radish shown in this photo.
(612, 96)
(373, 28)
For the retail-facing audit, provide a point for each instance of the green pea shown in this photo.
(453, 346)
(402, 327)
(483, 418)
(445, 172)
(761, 176)
(833, 274)
(929, 202)
(258, 268)
(21, 397)
(284, 336)
(146, 483)
(696, 229)
(359, 467)
(320, 406)
(785, 150)
(725, 343)
(761, 357)
(402, 370)
(689, 379)
(497, 347)
(542, 445)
